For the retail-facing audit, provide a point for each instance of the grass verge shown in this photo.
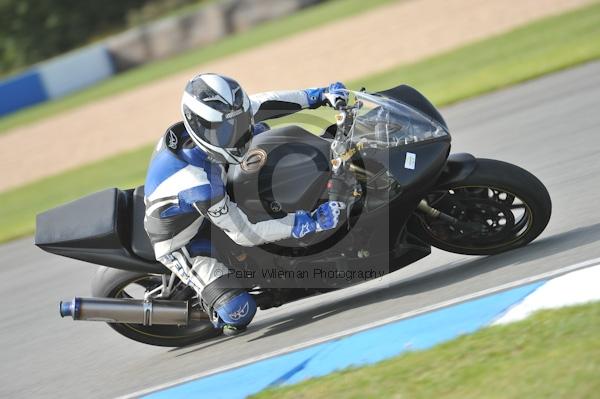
(539, 48)
(553, 354)
(303, 20)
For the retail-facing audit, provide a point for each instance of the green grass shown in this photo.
(542, 47)
(301, 21)
(554, 354)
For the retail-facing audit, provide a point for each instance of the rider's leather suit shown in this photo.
(185, 190)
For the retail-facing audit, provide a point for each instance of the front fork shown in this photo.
(435, 213)
(464, 227)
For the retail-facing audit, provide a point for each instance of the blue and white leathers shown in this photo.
(184, 190)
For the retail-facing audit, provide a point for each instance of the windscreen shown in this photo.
(383, 122)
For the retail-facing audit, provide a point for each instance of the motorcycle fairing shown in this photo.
(415, 167)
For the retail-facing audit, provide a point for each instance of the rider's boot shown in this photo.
(233, 312)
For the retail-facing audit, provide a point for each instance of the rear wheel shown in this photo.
(115, 283)
(499, 207)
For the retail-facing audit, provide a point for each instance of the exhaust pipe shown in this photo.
(132, 311)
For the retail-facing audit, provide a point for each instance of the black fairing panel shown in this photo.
(429, 160)
(294, 176)
(96, 229)
(412, 183)
(459, 167)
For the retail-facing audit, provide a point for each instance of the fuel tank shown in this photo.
(286, 169)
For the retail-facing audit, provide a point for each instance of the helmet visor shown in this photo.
(232, 134)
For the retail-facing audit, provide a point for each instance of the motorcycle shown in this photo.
(387, 157)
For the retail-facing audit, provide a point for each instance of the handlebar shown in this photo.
(339, 104)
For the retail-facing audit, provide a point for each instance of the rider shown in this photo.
(185, 185)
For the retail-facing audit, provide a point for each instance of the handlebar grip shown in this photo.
(339, 103)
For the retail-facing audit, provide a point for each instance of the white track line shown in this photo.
(405, 315)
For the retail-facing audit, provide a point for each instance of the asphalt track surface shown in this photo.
(550, 126)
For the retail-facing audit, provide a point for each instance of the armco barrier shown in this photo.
(55, 78)
(167, 37)
(248, 13)
(173, 35)
(21, 91)
(76, 70)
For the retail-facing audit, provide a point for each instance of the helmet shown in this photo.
(217, 115)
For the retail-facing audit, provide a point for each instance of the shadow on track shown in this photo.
(443, 276)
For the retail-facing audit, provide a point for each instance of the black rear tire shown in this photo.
(514, 183)
(111, 283)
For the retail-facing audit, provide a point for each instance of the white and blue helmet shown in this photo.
(217, 115)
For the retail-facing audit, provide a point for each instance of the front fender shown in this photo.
(458, 167)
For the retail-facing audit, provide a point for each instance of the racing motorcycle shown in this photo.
(387, 157)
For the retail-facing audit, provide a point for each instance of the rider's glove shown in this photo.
(325, 217)
(326, 95)
(334, 93)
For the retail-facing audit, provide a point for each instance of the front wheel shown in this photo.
(115, 283)
(499, 207)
